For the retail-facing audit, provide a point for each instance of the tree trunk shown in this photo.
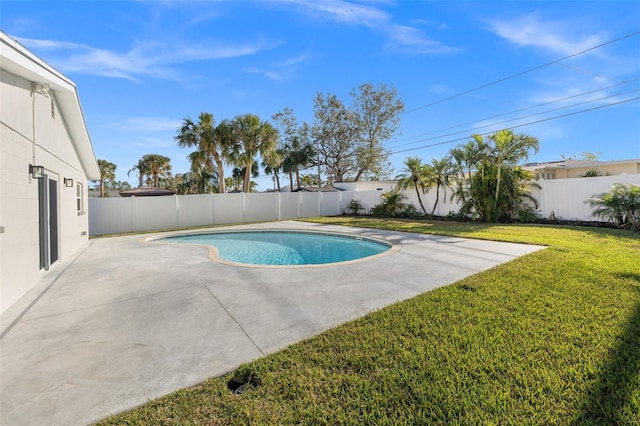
(221, 183)
(247, 178)
(437, 198)
(495, 201)
(420, 200)
(275, 174)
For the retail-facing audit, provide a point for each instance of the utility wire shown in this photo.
(522, 117)
(521, 125)
(517, 110)
(466, 92)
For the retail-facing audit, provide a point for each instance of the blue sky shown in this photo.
(143, 66)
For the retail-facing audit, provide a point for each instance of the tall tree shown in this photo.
(151, 168)
(336, 134)
(107, 174)
(157, 166)
(376, 111)
(415, 175)
(295, 148)
(141, 170)
(211, 143)
(350, 138)
(254, 138)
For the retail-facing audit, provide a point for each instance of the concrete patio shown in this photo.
(127, 321)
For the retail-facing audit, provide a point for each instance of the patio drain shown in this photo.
(247, 380)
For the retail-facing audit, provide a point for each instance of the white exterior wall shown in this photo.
(19, 214)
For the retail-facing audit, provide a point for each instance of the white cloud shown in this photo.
(531, 31)
(280, 71)
(144, 59)
(413, 40)
(272, 75)
(401, 37)
(147, 124)
(439, 88)
(344, 12)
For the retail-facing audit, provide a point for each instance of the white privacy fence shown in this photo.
(564, 197)
(135, 214)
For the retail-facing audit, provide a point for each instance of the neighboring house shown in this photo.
(46, 160)
(146, 191)
(567, 169)
(367, 185)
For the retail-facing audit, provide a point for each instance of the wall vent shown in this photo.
(53, 109)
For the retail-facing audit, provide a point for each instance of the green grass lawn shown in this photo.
(549, 338)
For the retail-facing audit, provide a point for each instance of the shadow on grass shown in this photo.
(615, 397)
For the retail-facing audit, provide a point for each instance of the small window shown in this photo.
(79, 199)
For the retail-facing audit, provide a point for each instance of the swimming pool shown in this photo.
(284, 247)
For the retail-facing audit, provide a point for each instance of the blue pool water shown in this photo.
(284, 248)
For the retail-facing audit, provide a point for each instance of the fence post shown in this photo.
(244, 208)
(134, 213)
(279, 200)
(177, 207)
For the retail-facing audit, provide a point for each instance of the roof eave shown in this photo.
(18, 60)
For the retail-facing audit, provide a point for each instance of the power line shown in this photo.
(466, 92)
(523, 117)
(517, 110)
(520, 125)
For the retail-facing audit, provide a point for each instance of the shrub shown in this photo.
(527, 214)
(393, 205)
(354, 207)
(621, 205)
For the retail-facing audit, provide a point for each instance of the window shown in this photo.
(79, 199)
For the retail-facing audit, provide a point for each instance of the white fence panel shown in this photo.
(195, 210)
(228, 208)
(368, 199)
(566, 197)
(330, 204)
(153, 213)
(345, 199)
(309, 204)
(261, 207)
(289, 205)
(108, 215)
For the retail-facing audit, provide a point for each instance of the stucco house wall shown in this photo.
(570, 169)
(41, 124)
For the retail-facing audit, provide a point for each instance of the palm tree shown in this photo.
(440, 172)
(211, 143)
(393, 204)
(509, 149)
(139, 168)
(157, 166)
(621, 205)
(107, 173)
(273, 169)
(254, 137)
(415, 175)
